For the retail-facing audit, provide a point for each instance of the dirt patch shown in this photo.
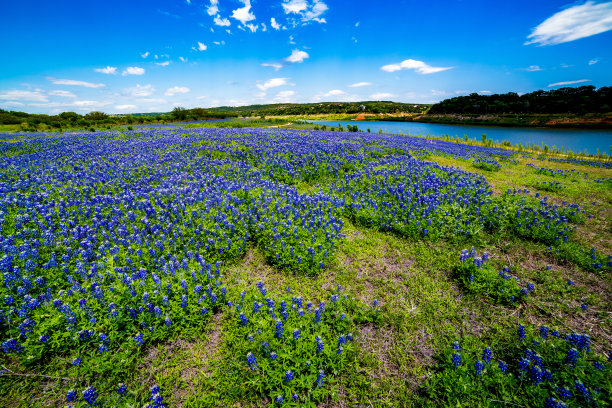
(378, 342)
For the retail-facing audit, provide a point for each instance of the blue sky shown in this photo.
(145, 56)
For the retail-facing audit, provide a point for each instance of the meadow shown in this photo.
(178, 267)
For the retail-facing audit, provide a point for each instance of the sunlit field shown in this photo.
(174, 267)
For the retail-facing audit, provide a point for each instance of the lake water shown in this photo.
(576, 140)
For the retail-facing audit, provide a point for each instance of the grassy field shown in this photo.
(406, 301)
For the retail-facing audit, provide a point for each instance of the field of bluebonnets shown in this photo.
(265, 267)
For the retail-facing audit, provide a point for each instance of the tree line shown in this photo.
(578, 100)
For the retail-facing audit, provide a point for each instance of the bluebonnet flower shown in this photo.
(564, 392)
(524, 364)
(288, 376)
(572, 357)
(252, 362)
(11, 346)
(455, 345)
(486, 354)
(544, 332)
(279, 329)
(279, 399)
(168, 322)
(77, 361)
(122, 390)
(456, 359)
(521, 331)
(139, 339)
(317, 315)
(71, 396)
(44, 338)
(243, 319)
(582, 390)
(296, 334)
(478, 367)
(90, 395)
(320, 378)
(584, 307)
(273, 355)
(598, 366)
(503, 367)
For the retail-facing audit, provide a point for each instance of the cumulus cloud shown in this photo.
(140, 91)
(201, 47)
(176, 90)
(334, 92)
(274, 24)
(72, 82)
(272, 83)
(64, 94)
(418, 66)
(359, 84)
(307, 10)
(223, 22)
(573, 23)
(107, 70)
(126, 107)
(243, 14)
(297, 56)
(382, 95)
(133, 71)
(533, 68)
(213, 8)
(569, 82)
(16, 95)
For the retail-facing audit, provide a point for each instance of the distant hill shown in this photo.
(281, 109)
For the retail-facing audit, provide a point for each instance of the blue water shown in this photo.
(576, 140)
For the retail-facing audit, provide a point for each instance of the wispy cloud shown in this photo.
(418, 66)
(126, 107)
(272, 83)
(163, 64)
(243, 14)
(359, 84)
(534, 68)
(140, 91)
(133, 71)
(284, 96)
(573, 23)
(569, 82)
(307, 10)
(593, 61)
(145, 55)
(334, 92)
(107, 70)
(274, 65)
(176, 90)
(382, 95)
(297, 56)
(65, 94)
(72, 82)
(17, 95)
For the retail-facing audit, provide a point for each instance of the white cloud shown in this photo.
(533, 68)
(91, 104)
(140, 91)
(307, 10)
(593, 61)
(73, 82)
(64, 94)
(145, 55)
(176, 90)
(219, 42)
(272, 83)
(291, 40)
(297, 56)
(243, 14)
(152, 100)
(126, 107)
(213, 8)
(569, 82)
(359, 84)
(223, 22)
(573, 23)
(15, 95)
(334, 92)
(382, 95)
(107, 70)
(284, 96)
(163, 64)
(418, 66)
(274, 24)
(357, 24)
(274, 65)
(183, 59)
(252, 27)
(201, 47)
(133, 71)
